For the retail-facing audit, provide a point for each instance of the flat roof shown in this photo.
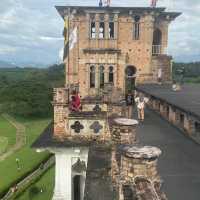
(187, 99)
(63, 10)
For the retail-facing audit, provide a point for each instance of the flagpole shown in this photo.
(68, 59)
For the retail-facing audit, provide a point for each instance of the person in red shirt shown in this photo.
(75, 104)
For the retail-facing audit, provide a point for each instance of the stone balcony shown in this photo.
(91, 125)
(60, 96)
(159, 50)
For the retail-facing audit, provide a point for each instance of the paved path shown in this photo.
(20, 136)
(179, 164)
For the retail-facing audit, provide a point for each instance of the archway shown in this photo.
(157, 42)
(157, 37)
(77, 187)
(130, 76)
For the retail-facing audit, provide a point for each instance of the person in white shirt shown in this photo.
(141, 103)
(160, 76)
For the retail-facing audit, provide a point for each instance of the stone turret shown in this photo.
(139, 161)
(124, 131)
(139, 178)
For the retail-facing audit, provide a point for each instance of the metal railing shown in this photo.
(156, 50)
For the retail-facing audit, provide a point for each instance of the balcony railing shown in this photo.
(156, 50)
(103, 43)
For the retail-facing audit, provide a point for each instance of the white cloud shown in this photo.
(32, 29)
(46, 38)
(7, 49)
(61, 51)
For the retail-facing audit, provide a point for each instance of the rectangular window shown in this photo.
(111, 75)
(101, 76)
(92, 76)
(101, 30)
(93, 30)
(136, 31)
(111, 30)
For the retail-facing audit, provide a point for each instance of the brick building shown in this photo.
(107, 51)
(118, 45)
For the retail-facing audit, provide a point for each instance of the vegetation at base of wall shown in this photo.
(27, 92)
(189, 71)
(29, 158)
(45, 183)
(2, 193)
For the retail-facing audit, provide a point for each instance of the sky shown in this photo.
(31, 30)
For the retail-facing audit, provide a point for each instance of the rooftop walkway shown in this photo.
(179, 164)
(187, 99)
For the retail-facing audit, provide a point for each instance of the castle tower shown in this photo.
(121, 46)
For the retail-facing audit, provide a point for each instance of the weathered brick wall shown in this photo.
(139, 52)
(131, 168)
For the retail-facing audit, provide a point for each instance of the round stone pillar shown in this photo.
(139, 161)
(124, 130)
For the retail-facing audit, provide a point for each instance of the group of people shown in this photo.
(140, 101)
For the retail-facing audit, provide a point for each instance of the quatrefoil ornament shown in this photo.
(96, 126)
(77, 127)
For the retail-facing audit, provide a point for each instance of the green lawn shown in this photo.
(46, 183)
(7, 131)
(27, 156)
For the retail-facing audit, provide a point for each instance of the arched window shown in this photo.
(101, 76)
(136, 28)
(92, 76)
(157, 42)
(111, 27)
(92, 27)
(157, 37)
(101, 27)
(111, 75)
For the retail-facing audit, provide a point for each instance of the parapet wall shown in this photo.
(180, 118)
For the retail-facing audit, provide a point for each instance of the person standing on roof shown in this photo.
(141, 102)
(160, 75)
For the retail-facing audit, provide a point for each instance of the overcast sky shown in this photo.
(31, 30)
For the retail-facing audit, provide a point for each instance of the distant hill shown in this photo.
(4, 64)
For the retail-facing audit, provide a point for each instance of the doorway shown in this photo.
(130, 76)
(77, 187)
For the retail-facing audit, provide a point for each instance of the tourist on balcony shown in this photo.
(141, 102)
(75, 104)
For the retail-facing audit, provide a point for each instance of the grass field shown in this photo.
(46, 183)
(7, 131)
(28, 158)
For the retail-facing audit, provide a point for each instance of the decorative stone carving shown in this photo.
(96, 126)
(79, 166)
(97, 108)
(77, 126)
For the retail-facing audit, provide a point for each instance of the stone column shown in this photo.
(172, 115)
(63, 180)
(139, 161)
(65, 160)
(124, 131)
(189, 125)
